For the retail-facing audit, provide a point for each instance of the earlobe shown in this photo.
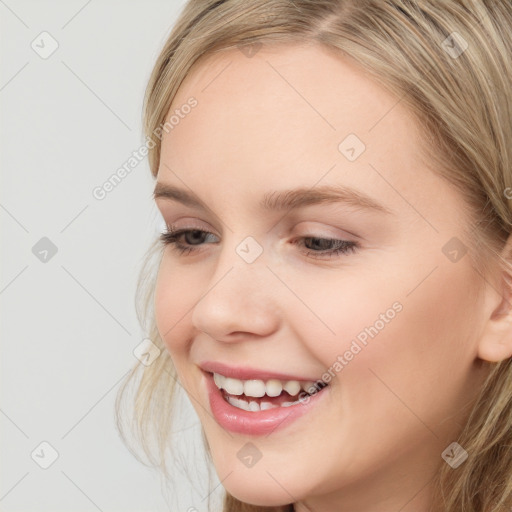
(496, 348)
(496, 342)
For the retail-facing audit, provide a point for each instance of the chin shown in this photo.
(255, 492)
(259, 486)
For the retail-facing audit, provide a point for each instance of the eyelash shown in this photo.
(170, 238)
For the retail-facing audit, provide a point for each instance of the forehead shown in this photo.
(281, 117)
(291, 97)
(325, 90)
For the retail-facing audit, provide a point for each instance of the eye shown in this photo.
(194, 238)
(172, 237)
(335, 246)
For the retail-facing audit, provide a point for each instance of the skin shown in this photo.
(374, 443)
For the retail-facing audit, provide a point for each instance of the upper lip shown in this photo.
(248, 373)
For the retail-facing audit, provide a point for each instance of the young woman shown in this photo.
(333, 287)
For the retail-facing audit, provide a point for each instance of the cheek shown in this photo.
(415, 327)
(341, 312)
(416, 356)
(173, 302)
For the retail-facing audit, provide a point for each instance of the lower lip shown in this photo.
(258, 422)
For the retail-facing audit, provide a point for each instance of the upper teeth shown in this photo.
(259, 388)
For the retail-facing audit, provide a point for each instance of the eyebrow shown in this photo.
(285, 199)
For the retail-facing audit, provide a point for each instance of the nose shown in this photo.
(239, 300)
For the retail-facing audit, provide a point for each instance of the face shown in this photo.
(367, 290)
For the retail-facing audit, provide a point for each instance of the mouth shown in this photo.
(258, 395)
(254, 406)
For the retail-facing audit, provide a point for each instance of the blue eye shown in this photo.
(172, 238)
(195, 237)
(336, 246)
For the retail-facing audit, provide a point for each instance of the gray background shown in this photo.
(68, 322)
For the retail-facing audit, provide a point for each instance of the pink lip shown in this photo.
(259, 422)
(246, 373)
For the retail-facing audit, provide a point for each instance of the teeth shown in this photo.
(254, 406)
(253, 388)
(233, 386)
(218, 379)
(274, 387)
(306, 386)
(258, 388)
(292, 387)
(237, 402)
(288, 404)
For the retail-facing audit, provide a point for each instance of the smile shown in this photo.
(257, 406)
(257, 395)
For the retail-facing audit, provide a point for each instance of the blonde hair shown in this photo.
(462, 102)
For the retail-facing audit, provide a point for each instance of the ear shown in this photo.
(496, 342)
